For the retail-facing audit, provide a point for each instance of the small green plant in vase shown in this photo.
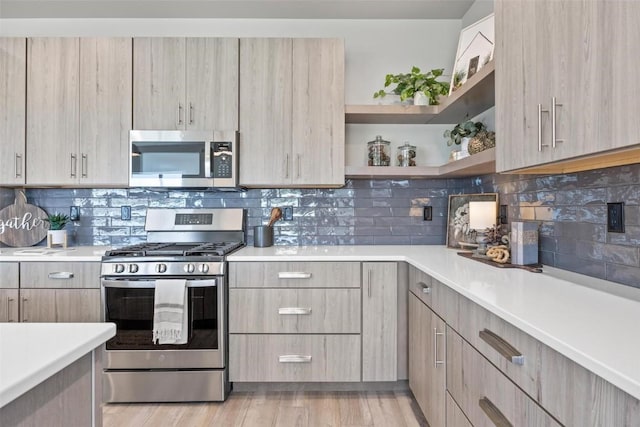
(57, 221)
(466, 129)
(414, 84)
(57, 235)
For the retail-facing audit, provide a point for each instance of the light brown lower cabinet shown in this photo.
(427, 360)
(60, 305)
(9, 305)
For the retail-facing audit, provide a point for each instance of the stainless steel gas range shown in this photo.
(186, 244)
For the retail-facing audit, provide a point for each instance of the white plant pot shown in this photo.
(419, 98)
(57, 237)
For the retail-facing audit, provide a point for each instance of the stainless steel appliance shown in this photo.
(188, 244)
(183, 158)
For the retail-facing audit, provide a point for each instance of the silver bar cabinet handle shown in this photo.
(60, 275)
(294, 310)
(426, 289)
(540, 111)
(83, 165)
(294, 275)
(294, 358)
(499, 344)
(298, 166)
(493, 413)
(24, 309)
(369, 283)
(436, 362)
(18, 165)
(190, 113)
(74, 165)
(554, 140)
(286, 166)
(179, 113)
(9, 301)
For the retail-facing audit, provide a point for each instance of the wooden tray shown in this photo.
(534, 268)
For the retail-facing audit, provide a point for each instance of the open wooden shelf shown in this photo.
(478, 164)
(476, 95)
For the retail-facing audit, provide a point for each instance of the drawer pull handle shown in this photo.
(294, 275)
(505, 349)
(494, 414)
(294, 358)
(436, 334)
(426, 289)
(61, 275)
(9, 301)
(294, 310)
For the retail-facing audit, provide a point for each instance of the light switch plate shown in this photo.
(287, 213)
(125, 213)
(74, 213)
(615, 217)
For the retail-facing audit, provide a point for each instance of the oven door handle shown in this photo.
(150, 284)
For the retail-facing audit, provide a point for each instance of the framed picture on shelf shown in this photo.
(459, 235)
(475, 50)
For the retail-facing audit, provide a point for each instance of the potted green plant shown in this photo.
(415, 85)
(466, 129)
(57, 235)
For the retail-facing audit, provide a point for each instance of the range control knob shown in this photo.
(133, 268)
(161, 268)
(203, 268)
(189, 268)
(118, 268)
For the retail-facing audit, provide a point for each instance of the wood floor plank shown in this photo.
(275, 409)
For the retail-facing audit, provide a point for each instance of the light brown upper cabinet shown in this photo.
(78, 111)
(13, 63)
(185, 83)
(565, 91)
(292, 112)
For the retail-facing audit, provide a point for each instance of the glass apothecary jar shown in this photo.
(406, 155)
(378, 152)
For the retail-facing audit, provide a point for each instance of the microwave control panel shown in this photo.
(222, 159)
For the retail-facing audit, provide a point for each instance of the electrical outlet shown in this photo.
(615, 217)
(427, 213)
(125, 213)
(287, 213)
(74, 213)
(503, 214)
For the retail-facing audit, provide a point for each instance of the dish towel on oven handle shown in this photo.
(170, 312)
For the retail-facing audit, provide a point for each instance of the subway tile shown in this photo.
(391, 240)
(630, 194)
(580, 265)
(632, 215)
(372, 211)
(631, 236)
(623, 274)
(596, 214)
(584, 196)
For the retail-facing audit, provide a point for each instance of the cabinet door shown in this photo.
(60, 305)
(13, 74)
(212, 83)
(105, 113)
(159, 83)
(318, 112)
(8, 305)
(265, 112)
(426, 360)
(380, 321)
(52, 110)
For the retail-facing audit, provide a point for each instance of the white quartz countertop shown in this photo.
(32, 352)
(576, 315)
(42, 253)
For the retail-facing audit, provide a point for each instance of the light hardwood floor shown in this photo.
(282, 409)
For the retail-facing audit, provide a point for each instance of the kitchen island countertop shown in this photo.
(42, 253)
(591, 321)
(30, 353)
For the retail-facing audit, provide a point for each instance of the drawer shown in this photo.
(455, 417)
(286, 311)
(294, 275)
(9, 275)
(485, 395)
(435, 294)
(60, 275)
(274, 358)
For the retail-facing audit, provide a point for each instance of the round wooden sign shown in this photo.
(21, 224)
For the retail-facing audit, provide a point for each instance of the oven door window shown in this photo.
(131, 309)
(168, 159)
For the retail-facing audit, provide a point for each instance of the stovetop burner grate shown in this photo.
(175, 249)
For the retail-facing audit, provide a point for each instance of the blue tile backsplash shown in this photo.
(570, 208)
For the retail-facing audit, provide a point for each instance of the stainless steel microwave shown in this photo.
(175, 158)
